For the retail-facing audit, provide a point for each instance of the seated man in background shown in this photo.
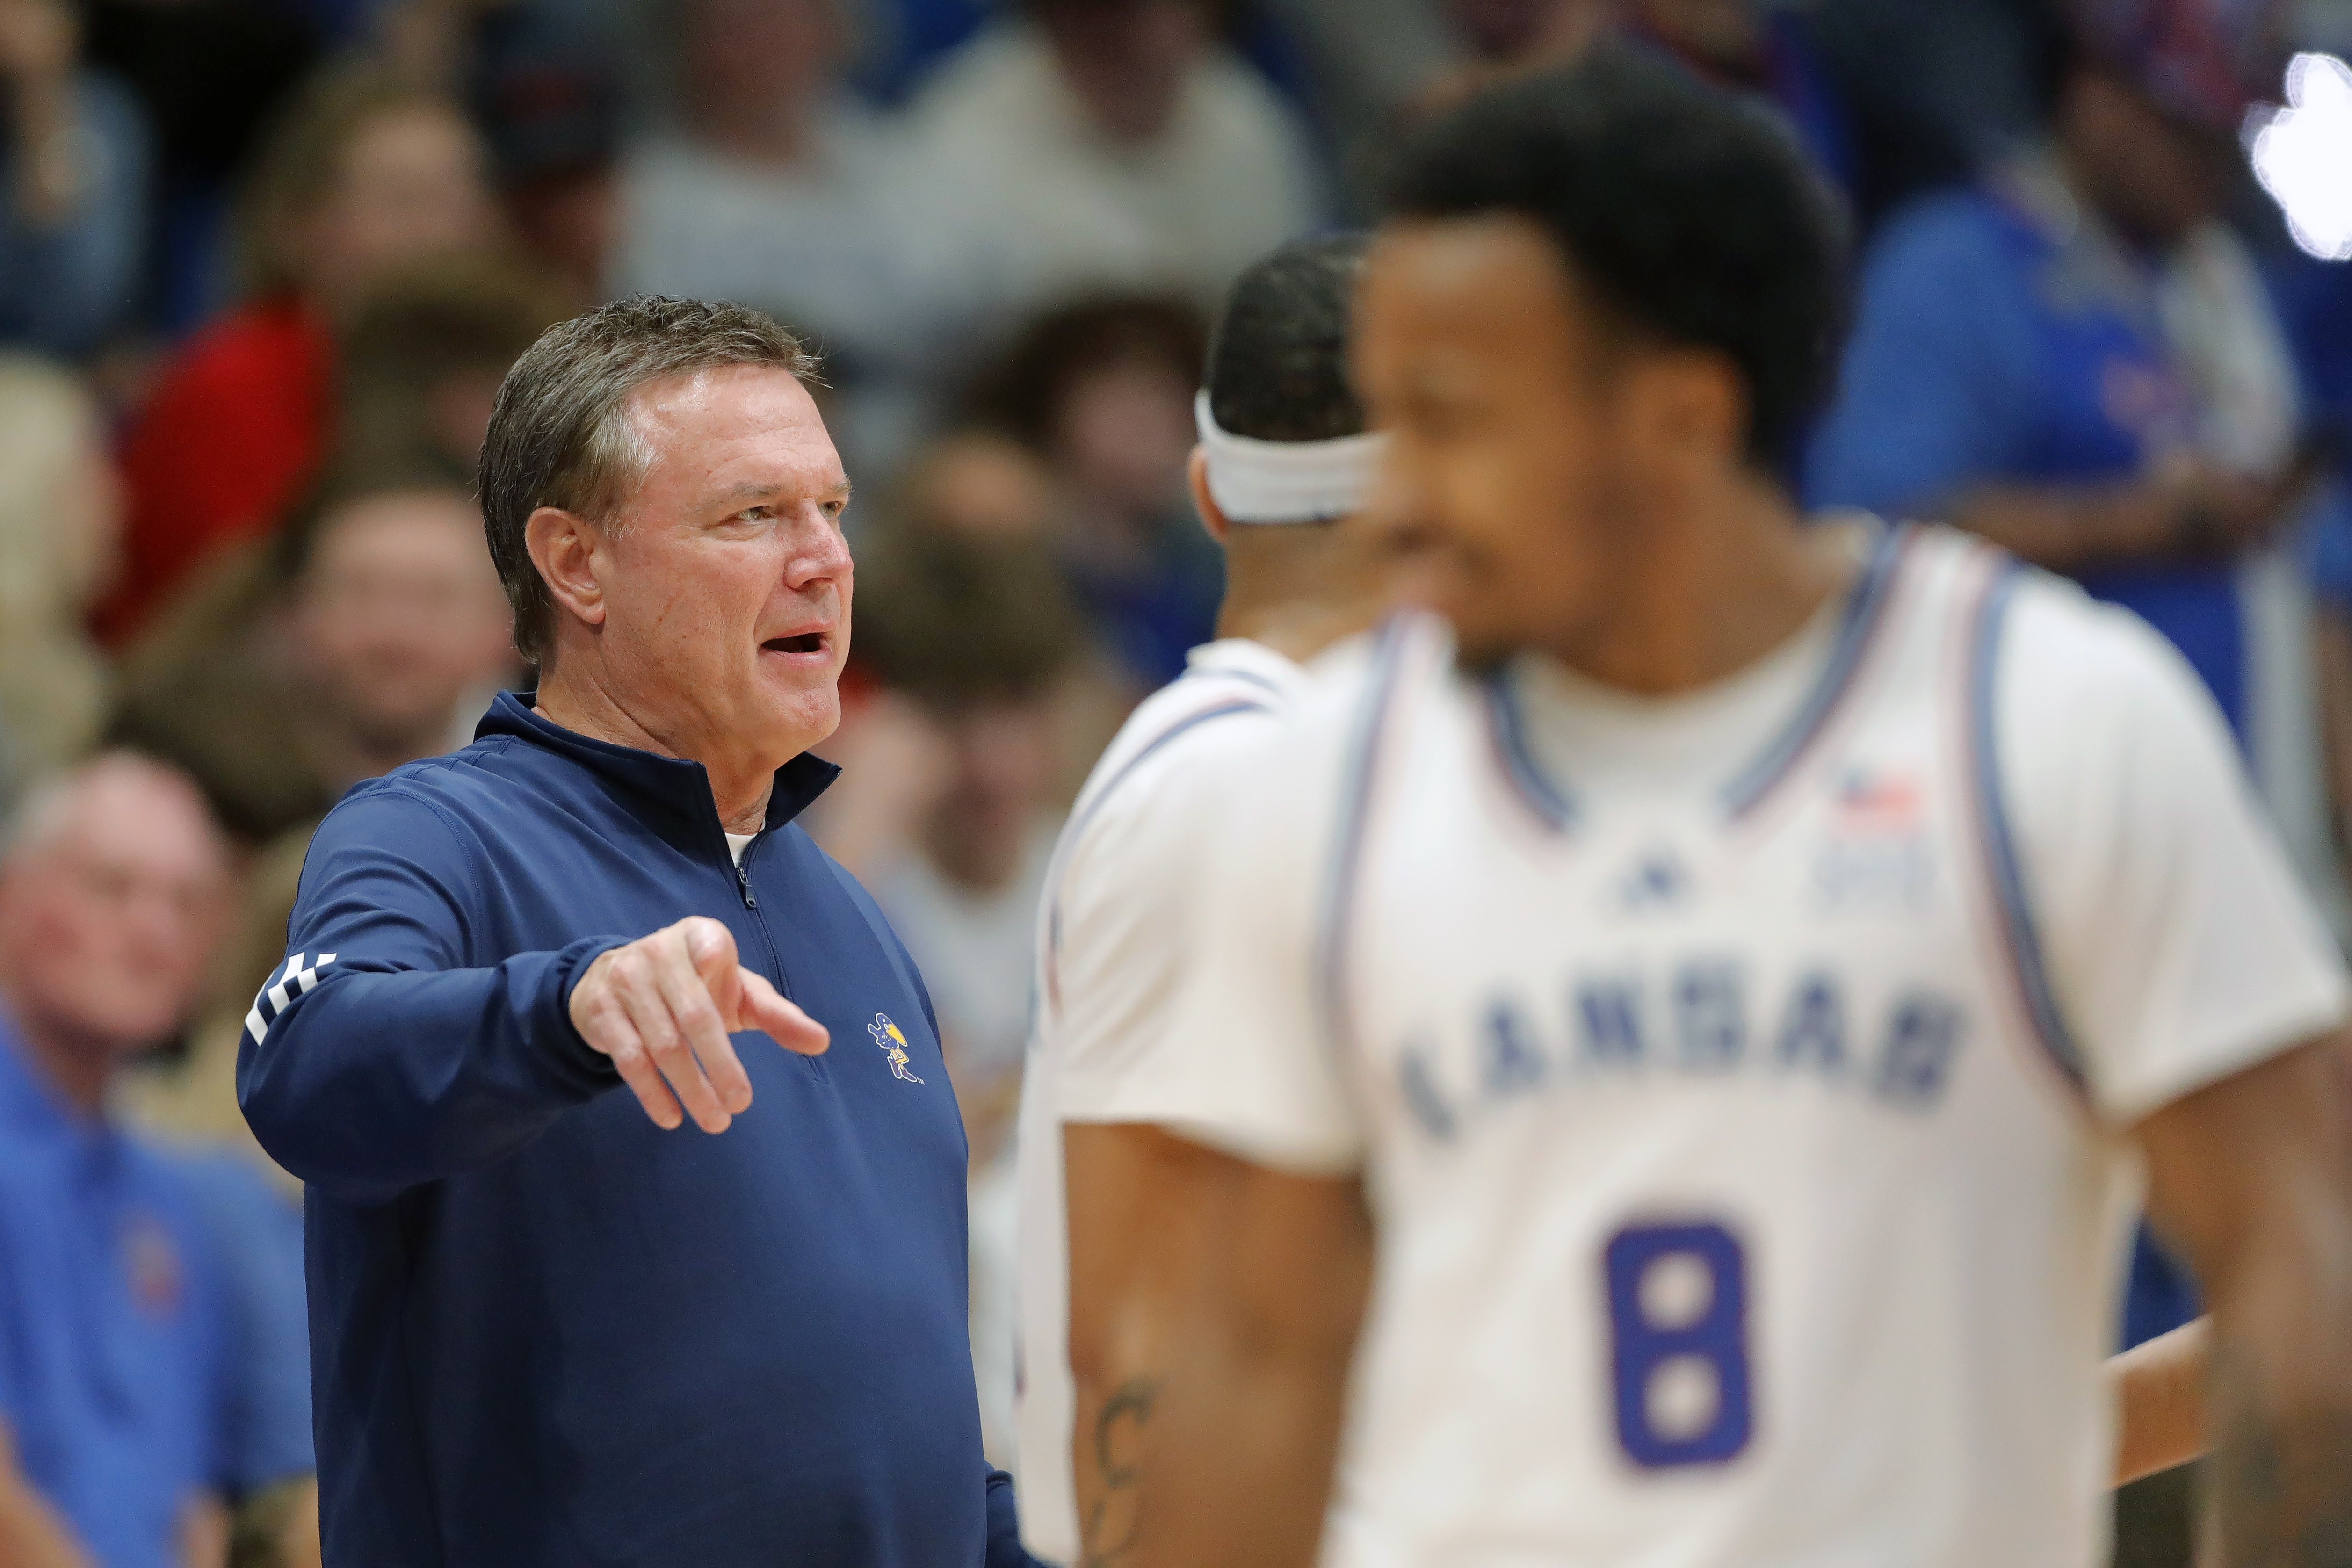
(774, 186)
(1100, 144)
(358, 636)
(150, 1378)
(1100, 391)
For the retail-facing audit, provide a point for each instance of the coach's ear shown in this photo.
(1196, 474)
(568, 552)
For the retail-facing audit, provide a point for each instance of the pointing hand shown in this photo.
(662, 1007)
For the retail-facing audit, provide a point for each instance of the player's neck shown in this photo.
(1702, 600)
(1297, 592)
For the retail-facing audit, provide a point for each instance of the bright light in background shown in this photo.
(2302, 155)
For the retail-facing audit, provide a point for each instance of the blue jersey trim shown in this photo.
(1552, 805)
(1865, 611)
(2019, 934)
(1347, 857)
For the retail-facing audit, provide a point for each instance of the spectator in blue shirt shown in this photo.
(2078, 359)
(73, 172)
(546, 1326)
(147, 1379)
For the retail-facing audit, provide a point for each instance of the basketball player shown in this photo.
(1283, 459)
(1682, 1042)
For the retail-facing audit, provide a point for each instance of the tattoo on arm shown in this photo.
(2282, 1482)
(1109, 1533)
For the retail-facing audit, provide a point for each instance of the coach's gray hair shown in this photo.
(561, 435)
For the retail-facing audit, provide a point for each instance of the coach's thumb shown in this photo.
(761, 1006)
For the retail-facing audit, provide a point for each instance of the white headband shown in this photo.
(1255, 481)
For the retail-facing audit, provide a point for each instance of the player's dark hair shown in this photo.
(1278, 362)
(1684, 211)
(561, 434)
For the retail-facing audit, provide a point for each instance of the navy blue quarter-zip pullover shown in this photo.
(544, 1330)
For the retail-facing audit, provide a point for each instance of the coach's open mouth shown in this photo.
(807, 643)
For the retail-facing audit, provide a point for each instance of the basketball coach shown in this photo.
(551, 1323)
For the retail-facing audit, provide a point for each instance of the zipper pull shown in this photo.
(743, 883)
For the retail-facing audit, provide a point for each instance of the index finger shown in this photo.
(763, 1007)
(696, 1012)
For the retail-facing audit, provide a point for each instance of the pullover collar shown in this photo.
(671, 794)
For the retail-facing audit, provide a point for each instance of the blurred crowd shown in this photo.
(264, 262)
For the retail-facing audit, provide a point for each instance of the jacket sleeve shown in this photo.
(1004, 1548)
(378, 1057)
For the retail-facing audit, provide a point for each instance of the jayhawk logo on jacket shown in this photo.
(894, 1046)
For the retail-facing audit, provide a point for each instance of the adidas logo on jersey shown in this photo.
(1656, 881)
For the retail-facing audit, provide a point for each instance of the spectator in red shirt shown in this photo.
(367, 173)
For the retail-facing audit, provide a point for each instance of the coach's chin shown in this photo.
(550, 1324)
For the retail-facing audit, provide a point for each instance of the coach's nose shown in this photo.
(819, 553)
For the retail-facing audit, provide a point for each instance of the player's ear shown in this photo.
(1692, 409)
(1196, 475)
(564, 547)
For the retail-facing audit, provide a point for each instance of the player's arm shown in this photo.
(2203, 999)
(2252, 1180)
(2159, 1393)
(1267, 1133)
(2199, 512)
(1248, 1433)
(1139, 1202)
(1134, 1194)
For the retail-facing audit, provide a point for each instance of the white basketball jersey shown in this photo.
(1110, 958)
(1737, 1080)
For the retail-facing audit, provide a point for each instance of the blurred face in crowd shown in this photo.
(408, 186)
(757, 58)
(570, 222)
(982, 487)
(400, 616)
(1123, 435)
(1529, 435)
(1522, 29)
(1127, 59)
(109, 910)
(2153, 177)
(717, 595)
(1723, 33)
(1001, 760)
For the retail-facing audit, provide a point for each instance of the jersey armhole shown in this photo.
(2025, 958)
